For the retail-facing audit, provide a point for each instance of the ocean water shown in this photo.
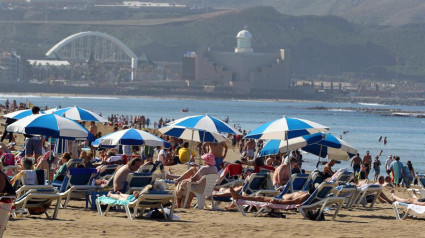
(405, 135)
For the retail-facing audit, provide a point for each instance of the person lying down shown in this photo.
(129, 197)
(287, 199)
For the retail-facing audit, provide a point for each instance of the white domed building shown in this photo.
(244, 42)
(241, 71)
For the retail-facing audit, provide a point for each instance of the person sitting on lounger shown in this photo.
(194, 175)
(413, 200)
(121, 175)
(287, 199)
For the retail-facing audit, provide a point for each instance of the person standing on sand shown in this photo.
(33, 143)
(249, 149)
(376, 167)
(397, 170)
(219, 150)
(367, 160)
(356, 163)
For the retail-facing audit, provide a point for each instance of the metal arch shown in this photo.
(54, 50)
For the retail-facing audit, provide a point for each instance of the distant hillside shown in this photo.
(375, 12)
(318, 45)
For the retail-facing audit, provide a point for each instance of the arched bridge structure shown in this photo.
(103, 47)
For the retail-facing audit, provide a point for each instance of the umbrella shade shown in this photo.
(191, 134)
(332, 148)
(273, 147)
(286, 128)
(130, 137)
(204, 122)
(19, 114)
(79, 114)
(50, 125)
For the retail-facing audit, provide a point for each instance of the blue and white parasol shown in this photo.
(130, 137)
(79, 114)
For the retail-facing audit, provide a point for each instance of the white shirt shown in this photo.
(388, 163)
(162, 152)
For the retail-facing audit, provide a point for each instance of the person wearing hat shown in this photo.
(194, 175)
(367, 161)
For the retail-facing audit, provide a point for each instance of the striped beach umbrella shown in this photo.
(130, 137)
(79, 114)
(332, 148)
(286, 128)
(273, 147)
(20, 114)
(50, 125)
(206, 123)
(190, 134)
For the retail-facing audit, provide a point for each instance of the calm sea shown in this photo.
(405, 135)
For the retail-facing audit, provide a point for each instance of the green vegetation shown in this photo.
(327, 45)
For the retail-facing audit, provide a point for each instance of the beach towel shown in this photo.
(416, 208)
(109, 200)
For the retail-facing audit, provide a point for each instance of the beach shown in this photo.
(76, 221)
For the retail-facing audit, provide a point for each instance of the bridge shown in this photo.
(101, 46)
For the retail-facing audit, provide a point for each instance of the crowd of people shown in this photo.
(214, 157)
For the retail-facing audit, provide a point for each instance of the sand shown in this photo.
(76, 221)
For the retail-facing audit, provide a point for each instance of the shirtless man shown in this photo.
(367, 160)
(328, 168)
(282, 173)
(219, 150)
(292, 198)
(356, 163)
(93, 130)
(249, 149)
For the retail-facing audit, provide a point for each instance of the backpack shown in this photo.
(315, 215)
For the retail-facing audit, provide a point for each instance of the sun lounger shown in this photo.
(153, 199)
(409, 208)
(319, 199)
(137, 181)
(298, 181)
(256, 184)
(348, 191)
(76, 180)
(364, 191)
(37, 198)
(420, 193)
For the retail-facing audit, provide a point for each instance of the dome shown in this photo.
(244, 34)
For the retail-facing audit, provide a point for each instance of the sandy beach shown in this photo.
(76, 221)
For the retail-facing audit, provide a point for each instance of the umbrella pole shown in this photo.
(289, 161)
(191, 149)
(203, 139)
(320, 153)
(49, 161)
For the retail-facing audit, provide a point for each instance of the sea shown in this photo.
(405, 135)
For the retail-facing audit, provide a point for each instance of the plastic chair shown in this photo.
(210, 182)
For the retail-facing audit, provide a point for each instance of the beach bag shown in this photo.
(315, 215)
(8, 159)
(38, 210)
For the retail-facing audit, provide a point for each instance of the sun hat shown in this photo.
(209, 158)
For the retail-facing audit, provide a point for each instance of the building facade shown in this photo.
(243, 71)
